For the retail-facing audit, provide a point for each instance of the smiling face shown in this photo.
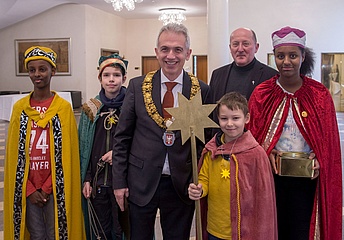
(111, 80)
(288, 61)
(172, 53)
(243, 46)
(232, 122)
(40, 73)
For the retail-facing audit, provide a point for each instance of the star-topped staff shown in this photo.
(191, 117)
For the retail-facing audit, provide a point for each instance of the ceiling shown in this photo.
(13, 11)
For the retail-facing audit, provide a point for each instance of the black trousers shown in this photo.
(175, 215)
(295, 200)
(107, 211)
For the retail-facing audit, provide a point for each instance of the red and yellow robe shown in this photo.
(252, 200)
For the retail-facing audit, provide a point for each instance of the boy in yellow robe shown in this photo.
(235, 179)
(42, 184)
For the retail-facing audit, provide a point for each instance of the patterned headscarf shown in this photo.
(112, 60)
(40, 53)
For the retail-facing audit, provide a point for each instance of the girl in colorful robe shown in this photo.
(292, 113)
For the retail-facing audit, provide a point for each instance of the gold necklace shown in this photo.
(147, 86)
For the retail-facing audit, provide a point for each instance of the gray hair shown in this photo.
(176, 28)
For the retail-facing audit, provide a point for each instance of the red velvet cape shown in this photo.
(316, 119)
(257, 191)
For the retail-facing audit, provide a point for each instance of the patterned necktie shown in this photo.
(168, 101)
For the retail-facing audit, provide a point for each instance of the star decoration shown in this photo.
(191, 115)
(225, 173)
(112, 120)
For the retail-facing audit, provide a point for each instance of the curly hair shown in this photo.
(307, 65)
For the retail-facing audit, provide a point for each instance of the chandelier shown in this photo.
(172, 15)
(118, 4)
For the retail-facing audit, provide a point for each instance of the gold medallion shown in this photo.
(304, 114)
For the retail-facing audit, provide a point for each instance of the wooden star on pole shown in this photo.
(190, 116)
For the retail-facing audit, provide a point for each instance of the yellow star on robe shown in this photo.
(225, 173)
(191, 115)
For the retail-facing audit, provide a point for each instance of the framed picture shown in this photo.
(332, 69)
(60, 45)
(271, 61)
(107, 52)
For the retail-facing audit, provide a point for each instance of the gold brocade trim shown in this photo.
(317, 219)
(300, 115)
(147, 86)
(91, 108)
(274, 124)
(238, 196)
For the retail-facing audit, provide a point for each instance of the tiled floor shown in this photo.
(3, 135)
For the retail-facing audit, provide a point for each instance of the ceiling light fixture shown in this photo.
(172, 15)
(118, 4)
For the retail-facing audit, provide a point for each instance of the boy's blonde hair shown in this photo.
(234, 101)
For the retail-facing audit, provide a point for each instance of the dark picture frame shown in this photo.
(107, 52)
(62, 47)
(271, 61)
(332, 69)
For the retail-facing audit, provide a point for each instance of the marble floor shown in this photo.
(3, 135)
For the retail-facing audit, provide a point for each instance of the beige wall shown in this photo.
(142, 35)
(91, 29)
(60, 22)
(321, 20)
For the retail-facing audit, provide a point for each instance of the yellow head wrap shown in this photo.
(40, 53)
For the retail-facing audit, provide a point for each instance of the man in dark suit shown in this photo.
(151, 167)
(245, 72)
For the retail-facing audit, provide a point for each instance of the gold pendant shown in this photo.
(111, 120)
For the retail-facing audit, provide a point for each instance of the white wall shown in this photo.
(85, 26)
(102, 30)
(66, 21)
(142, 35)
(91, 29)
(321, 20)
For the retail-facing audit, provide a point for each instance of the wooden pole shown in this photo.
(195, 180)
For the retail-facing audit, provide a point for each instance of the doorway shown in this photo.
(149, 63)
(200, 67)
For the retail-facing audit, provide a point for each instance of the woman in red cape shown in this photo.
(294, 113)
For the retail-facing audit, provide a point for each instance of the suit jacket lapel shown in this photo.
(186, 85)
(256, 73)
